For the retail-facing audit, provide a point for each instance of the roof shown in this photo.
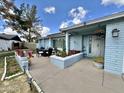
(55, 35)
(95, 21)
(9, 37)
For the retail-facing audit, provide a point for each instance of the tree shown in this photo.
(22, 19)
(29, 18)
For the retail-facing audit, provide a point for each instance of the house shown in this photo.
(100, 37)
(9, 42)
(56, 40)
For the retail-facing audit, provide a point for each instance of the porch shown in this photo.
(82, 77)
(89, 40)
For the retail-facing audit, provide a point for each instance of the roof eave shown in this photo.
(95, 21)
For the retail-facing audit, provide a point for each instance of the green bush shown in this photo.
(99, 59)
(61, 54)
(10, 53)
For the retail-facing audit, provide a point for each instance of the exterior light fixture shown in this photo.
(115, 33)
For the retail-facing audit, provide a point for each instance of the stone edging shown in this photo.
(5, 70)
(34, 82)
(15, 75)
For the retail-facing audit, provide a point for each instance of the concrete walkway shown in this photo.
(82, 77)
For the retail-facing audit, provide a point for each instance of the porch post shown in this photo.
(50, 42)
(67, 42)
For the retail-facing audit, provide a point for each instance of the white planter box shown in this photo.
(23, 61)
(98, 65)
(66, 61)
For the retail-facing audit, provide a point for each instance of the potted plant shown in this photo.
(98, 62)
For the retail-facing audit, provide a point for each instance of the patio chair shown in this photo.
(50, 50)
(40, 51)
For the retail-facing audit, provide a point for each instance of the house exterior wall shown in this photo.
(44, 43)
(55, 42)
(114, 49)
(75, 42)
(5, 44)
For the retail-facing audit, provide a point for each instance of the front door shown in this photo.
(93, 45)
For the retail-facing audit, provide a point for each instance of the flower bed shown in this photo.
(64, 62)
(64, 54)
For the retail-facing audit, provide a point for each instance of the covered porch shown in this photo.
(88, 39)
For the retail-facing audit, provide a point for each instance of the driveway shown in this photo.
(81, 77)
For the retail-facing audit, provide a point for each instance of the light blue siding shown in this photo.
(75, 42)
(114, 48)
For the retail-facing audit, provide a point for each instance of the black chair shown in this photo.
(50, 50)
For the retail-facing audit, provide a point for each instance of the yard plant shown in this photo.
(99, 59)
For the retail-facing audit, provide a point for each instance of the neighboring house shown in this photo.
(100, 37)
(56, 40)
(9, 42)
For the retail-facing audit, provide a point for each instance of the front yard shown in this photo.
(12, 66)
(17, 84)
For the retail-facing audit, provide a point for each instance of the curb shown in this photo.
(34, 82)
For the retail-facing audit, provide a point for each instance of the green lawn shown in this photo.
(1, 66)
(7, 53)
(12, 66)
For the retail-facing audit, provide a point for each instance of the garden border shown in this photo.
(5, 70)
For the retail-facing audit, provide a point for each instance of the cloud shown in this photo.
(50, 10)
(76, 21)
(8, 30)
(77, 15)
(79, 12)
(45, 31)
(116, 2)
(64, 24)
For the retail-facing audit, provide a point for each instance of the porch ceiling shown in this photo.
(93, 29)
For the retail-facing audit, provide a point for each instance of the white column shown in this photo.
(67, 42)
(50, 42)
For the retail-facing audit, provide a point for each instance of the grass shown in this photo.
(1, 66)
(12, 66)
(6, 53)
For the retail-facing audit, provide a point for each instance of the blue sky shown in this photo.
(56, 13)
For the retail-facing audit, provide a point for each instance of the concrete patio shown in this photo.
(82, 77)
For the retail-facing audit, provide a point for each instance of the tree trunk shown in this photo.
(29, 37)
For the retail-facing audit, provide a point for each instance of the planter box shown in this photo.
(98, 65)
(23, 62)
(66, 61)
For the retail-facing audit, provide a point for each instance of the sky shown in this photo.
(56, 14)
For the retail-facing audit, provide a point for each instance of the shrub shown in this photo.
(10, 53)
(61, 54)
(99, 59)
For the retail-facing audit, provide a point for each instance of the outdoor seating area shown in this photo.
(44, 52)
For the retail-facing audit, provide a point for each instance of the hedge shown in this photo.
(10, 53)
